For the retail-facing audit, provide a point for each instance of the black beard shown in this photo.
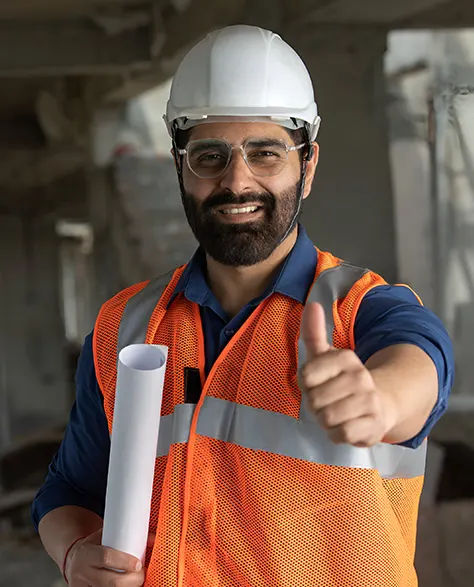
(249, 243)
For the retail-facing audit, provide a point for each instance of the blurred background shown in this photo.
(89, 204)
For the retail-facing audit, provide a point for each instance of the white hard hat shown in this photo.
(245, 72)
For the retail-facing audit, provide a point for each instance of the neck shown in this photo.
(235, 287)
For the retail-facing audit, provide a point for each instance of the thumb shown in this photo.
(313, 330)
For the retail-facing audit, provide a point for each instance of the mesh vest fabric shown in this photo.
(228, 514)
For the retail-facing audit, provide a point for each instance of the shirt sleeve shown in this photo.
(78, 472)
(391, 315)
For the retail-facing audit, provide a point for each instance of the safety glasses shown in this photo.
(209, 158)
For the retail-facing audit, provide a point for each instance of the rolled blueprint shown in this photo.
(140, 377)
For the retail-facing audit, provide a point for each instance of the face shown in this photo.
(239, 218)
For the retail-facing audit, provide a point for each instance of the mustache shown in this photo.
(265, 199)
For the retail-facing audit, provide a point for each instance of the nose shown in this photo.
(237, 177)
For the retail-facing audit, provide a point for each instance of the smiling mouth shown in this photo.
(241, 210)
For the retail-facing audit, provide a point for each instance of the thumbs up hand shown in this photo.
(341, 391)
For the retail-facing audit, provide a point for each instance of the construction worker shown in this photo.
(295, 440)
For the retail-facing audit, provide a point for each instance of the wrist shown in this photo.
(69, 556)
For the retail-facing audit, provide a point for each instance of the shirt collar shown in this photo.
(297, 273)
(293, 280)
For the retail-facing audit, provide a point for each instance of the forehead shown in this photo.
(237, 132)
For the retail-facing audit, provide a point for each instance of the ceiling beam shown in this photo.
(450, 15)
(71, 47)
(180, 31)
(382, 12)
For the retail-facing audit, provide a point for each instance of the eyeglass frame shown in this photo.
(241, 148)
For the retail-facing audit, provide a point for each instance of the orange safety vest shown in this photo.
(248, 489)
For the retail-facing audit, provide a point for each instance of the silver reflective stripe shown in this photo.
(174, 428)
(138, 311)
(283, 435)
(333, 284)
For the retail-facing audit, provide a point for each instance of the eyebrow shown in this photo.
(205, 146)
(265, 142)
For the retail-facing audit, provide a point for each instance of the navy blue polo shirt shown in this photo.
(388, 315)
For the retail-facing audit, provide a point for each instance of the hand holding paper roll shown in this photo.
(140, 378)
(88, 563)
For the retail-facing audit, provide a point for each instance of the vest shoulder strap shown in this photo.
(342, 287)
(124, 320)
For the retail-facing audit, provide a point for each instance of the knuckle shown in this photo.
(347, 434)
(309, 378)
(305, 380)
(361, 378)
(315, 402)
(327, 418)
(364, 444)
(314, 410)
(302, 377)
(335, 436)
(107, 558)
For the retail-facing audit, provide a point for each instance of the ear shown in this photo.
(311, 170)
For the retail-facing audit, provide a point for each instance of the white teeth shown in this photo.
(240, 210)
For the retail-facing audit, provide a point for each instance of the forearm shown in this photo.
(407, 377)
(62, 526)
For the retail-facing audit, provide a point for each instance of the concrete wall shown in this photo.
(33, 350)
(350, 211)
(432, 154)
(149, 193)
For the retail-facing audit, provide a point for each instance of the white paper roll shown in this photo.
(140, 377)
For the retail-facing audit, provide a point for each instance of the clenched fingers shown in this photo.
(102, 557)
(338, 388)
(349, 408)
(362, 432)
(328, 366)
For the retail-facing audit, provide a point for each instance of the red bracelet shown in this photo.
(66, 555)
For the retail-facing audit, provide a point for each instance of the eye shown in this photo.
(264, 154)
(211, 156)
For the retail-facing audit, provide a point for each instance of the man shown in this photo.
(296, 446)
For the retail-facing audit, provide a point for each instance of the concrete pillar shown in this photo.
(350, 211)
(116, 258)
(116, 255)
(34, 381)
(106, 269)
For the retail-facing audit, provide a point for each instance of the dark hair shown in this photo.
(182, 137)
(298, 136)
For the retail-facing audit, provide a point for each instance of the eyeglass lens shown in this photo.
(208, 158)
